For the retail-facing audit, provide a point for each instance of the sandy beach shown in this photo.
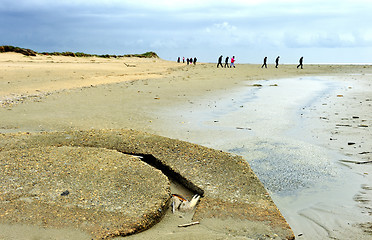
(305, 132)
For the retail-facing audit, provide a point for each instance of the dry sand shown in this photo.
(24, 75)
(48, 93)
(85, 93)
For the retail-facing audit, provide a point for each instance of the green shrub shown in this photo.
(29, 52)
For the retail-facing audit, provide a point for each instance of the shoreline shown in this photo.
(146, 104)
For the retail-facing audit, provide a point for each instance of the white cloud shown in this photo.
(169, 26)
(225, 26)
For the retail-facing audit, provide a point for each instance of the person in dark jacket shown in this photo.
(227, 62)
(220, 61)
(277, 62)
(301, 63)
(264, 63)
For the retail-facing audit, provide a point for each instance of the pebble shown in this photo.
(65, 193)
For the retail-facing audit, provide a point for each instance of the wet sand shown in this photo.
(295, 155)
(206, 105)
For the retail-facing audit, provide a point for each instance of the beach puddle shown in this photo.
(291, 166)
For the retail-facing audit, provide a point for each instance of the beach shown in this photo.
(315, 120)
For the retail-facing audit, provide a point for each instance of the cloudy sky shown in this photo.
(323, 31)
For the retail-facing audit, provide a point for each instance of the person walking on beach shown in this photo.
(220, 61)
(232, 62)
(264, 63)
(301, 61)
(183, 59)
(190, 60)
(195, 60)
(226, 62)
(179, 60)
(277, 62)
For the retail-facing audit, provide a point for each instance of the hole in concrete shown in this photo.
(173, 176)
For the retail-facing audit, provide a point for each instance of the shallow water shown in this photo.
(266, 126)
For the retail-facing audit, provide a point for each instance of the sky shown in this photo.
(322, 31)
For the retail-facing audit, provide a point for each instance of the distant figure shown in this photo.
(264, 63)
(277, 62)
(179, 60)
(301, 61)
(188, 61)
(183, 59)
(219, 61)
(232, 62)
(227, 61)
(195, 60)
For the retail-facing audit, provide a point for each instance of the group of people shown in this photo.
(188, 60)
(232, 62)
(277, 62)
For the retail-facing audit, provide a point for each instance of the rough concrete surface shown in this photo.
(111, 193)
